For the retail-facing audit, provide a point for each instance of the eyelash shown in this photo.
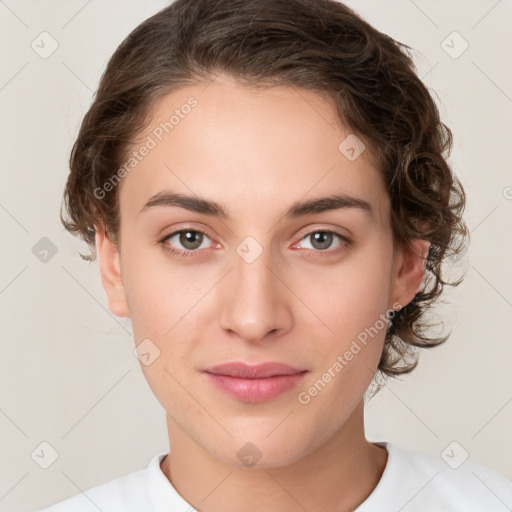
(191, 253)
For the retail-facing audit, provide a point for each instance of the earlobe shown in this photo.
(110, 269)
(409, 272)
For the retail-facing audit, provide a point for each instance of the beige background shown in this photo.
(68, 375)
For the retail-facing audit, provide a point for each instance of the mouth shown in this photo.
(254, 383)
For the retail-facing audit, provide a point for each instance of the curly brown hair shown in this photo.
(320, 45)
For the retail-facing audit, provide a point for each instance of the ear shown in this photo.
(110, 268)
(408, 271)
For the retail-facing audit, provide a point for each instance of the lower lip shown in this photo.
(256, 390)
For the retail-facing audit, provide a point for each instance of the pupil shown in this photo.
(191, 239)
(322, 240)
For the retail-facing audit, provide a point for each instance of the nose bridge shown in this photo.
(254, 302)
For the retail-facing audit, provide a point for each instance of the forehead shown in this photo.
(245, 146)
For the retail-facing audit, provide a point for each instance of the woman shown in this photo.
(265, 187)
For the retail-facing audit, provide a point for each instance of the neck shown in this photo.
(337, 476)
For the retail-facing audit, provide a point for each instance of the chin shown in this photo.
(255, 448)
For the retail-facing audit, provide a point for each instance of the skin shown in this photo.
(256, 152)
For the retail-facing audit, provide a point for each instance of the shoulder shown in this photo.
(132, 492)
(417, 481)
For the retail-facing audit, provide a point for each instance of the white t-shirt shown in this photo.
(411, 482)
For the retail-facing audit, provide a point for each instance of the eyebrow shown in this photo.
(297, 209)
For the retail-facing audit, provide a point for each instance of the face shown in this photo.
(256, 276)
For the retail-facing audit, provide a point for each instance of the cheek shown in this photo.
(161, 302)
(351, 297)
(159, 293)
(353, 304)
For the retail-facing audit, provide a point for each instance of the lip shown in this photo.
(254, 383)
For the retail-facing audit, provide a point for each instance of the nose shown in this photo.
(255, 300)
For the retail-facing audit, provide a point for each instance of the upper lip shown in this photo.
(257, 371)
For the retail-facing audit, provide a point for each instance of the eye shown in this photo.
(322, 240)
(186, 240)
